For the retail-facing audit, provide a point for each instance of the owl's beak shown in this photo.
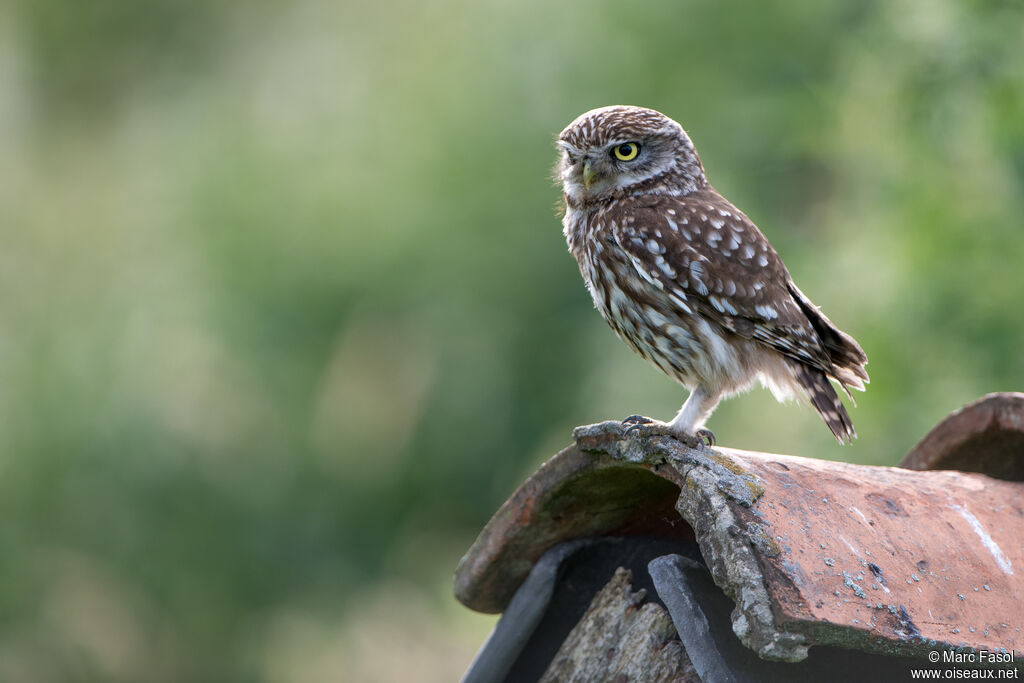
(588, 174)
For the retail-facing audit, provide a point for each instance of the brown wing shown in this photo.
(710, 255)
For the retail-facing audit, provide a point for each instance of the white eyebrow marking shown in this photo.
(986, 540)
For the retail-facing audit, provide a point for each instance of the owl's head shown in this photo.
(622, 151)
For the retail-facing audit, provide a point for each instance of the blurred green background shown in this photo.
(286, 312)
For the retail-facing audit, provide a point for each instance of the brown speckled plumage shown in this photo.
(686, 279)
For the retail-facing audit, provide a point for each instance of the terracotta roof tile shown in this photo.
(883, 559)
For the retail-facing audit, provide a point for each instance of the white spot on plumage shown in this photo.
(680, 335)
(717, 224)
(667, 346)
(641, 268)
(713, 238)
(734, 242)
(617, 300)
(681, 303)
(655, 247)
(696, 273)
(656, 318)
(762, 260)
(748, 251)
(723, 213)
(664, 266)
(766, 312)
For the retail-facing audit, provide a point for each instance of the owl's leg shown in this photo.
(689, 422)
(687, 425)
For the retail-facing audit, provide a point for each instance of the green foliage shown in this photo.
(287, 312)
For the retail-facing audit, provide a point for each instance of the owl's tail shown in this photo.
(825, 400)
(846, 361)
(846, 356)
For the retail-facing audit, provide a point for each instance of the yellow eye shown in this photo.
(627, 151)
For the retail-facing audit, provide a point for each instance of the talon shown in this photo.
(635, 427)
(705, 436)
(633, 423)
(646, 429)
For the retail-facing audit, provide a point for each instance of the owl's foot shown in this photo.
(645, 427)
(638, 425)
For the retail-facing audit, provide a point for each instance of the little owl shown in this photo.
(687, 280)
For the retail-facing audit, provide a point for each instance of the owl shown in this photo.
(687, 280)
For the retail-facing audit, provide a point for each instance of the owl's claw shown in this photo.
(638, 425)
(702, 438)
(705, 437)
(645, 427)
